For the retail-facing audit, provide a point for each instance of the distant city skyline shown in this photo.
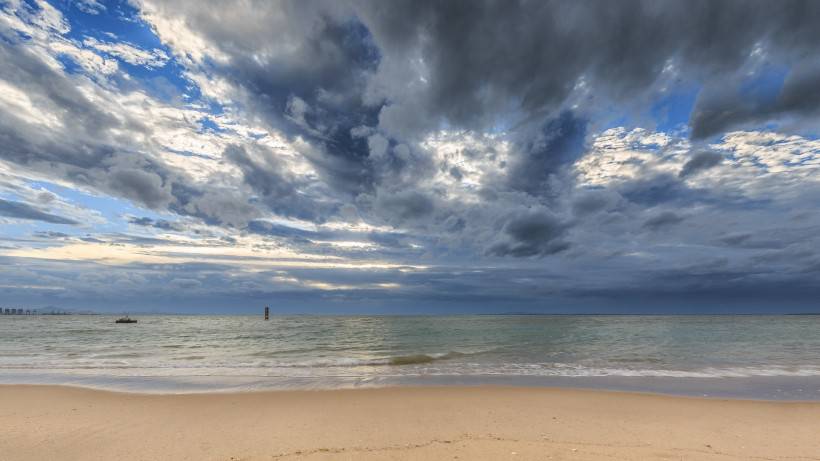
(410, 156)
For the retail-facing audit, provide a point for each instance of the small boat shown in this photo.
(125, 319)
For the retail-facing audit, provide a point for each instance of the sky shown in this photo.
(359, 156)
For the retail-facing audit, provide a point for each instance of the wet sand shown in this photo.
(472, 423)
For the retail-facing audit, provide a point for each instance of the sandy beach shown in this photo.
(482, 423)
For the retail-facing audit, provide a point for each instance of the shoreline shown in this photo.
(398, 387)
(759, 388)
(482, 422)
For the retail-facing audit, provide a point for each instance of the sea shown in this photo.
(741, 356)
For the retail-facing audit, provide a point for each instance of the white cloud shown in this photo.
(89, 6)
(129, 53)
(189, 46)
(22, 106)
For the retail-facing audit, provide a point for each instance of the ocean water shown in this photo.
(770, 357)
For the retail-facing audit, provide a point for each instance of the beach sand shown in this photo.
(480, 423)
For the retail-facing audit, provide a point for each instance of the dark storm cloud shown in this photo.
(145, 221)
(657, 189)
(749, 241)
(531, 233)
(298, 236)
(801, 91)
(724, 105)
(484, 56)
(699, 162)
(716, 282)
(405, 205)
(662, 220)
(50, 235)
(19, 210)
(653, 189)
(558, 143)
(592, 201)
(158, 224)
(266, 176)
(392, 240)
(141, 186)
(718, 291)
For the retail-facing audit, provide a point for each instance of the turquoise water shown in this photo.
(757, 356)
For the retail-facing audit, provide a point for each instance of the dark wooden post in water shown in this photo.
(267, 312)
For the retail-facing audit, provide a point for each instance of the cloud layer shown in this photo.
(420, 156)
